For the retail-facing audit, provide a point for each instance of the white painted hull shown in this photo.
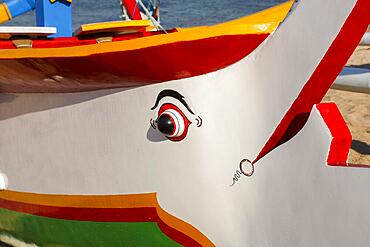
(102, 143)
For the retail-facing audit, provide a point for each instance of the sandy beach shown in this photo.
(355, 108)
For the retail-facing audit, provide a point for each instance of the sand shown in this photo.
(355, 108)
(360, 58)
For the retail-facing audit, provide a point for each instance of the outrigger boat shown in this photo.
(125, 55)
(125, 134)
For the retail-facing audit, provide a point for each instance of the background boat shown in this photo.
(174, 13)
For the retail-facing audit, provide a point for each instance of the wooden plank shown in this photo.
(7, 32)
(112, 27)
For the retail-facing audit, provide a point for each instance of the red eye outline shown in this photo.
(187, 123)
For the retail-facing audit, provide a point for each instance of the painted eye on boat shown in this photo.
(172, 122)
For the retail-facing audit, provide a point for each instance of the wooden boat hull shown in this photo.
(126, 69)
(78, 157)
(131, 60)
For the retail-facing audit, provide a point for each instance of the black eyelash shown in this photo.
(152, 123)
(199, 121)
(173, 94)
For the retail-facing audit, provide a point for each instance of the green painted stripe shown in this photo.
(49, 232)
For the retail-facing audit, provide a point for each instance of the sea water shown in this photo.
(174, 13)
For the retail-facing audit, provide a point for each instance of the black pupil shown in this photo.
(165, 124)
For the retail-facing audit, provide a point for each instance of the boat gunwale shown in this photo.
(243, 26)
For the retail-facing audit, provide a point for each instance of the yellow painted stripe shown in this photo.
(53, 1)
(114, 24)
(134, 44)
(4, 13)
(85, 201)
(184, 227)
(273, 14)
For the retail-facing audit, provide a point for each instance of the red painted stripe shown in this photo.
(147, 214)
(322, 78)
(125, 69)
(132, 9)
(342, 139)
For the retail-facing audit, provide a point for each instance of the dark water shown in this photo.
(174, 13)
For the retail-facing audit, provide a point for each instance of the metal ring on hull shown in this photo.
(250, 174)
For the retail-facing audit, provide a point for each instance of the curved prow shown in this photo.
(303, 58)
(13, 8)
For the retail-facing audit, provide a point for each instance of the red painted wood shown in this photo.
(132, 9)
(342, 139)
(147, 214)
(322, 78)
(125, 69)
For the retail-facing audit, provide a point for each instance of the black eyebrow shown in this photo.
(173, 94)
